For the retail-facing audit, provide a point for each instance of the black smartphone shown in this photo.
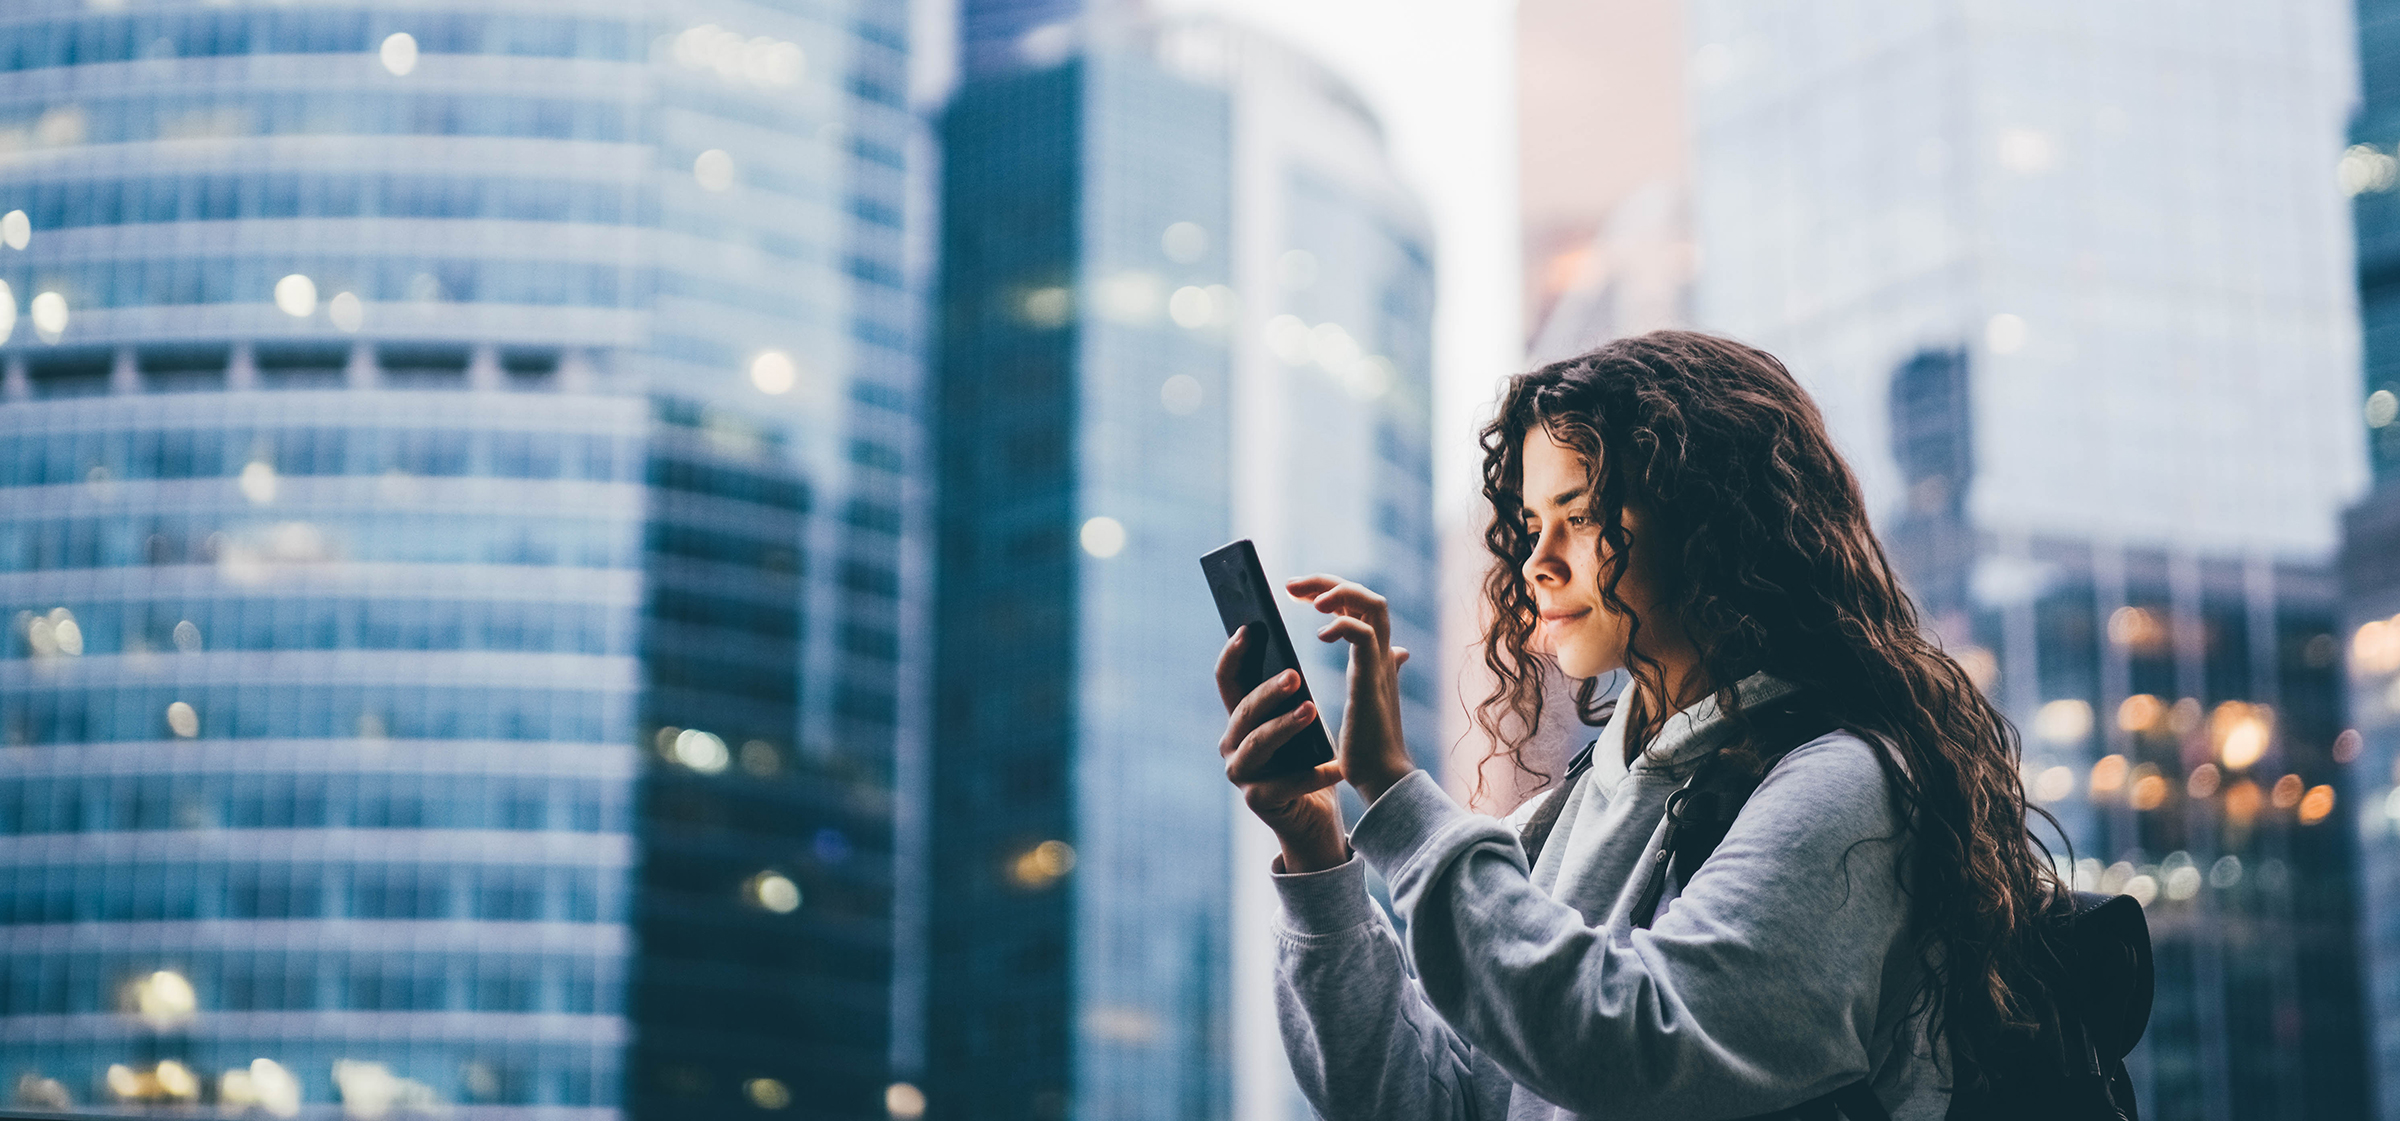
(1244, 598)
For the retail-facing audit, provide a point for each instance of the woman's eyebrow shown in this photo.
(1568, 496)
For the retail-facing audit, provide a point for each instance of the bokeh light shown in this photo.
(296, 295)
(49, 316)
(713, 170)
(399, 53)
(773, 372)
(1103, 537)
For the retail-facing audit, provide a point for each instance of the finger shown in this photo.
(1258, 748)
(1249, 715)
(1357, 632)
(1312, 585)
(1229, 664)
(1399, 656)
(1358, 601)
(1292, 787)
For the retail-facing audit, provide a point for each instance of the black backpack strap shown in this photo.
(1545, 819)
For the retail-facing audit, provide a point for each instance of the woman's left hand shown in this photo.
(1371, 750)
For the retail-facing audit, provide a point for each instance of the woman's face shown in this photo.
(1567, 566)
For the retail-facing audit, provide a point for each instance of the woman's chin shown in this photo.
(1579, 664)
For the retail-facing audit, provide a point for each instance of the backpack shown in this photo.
(2098, 974)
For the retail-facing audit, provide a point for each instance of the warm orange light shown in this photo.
(2316, 805)
(2287, 792)
(2150, 790)
(1042, 865)
(2205, 780)
(2140, 712)
(2242, 801)
(2136, 629)
(2376, 647)
(2108, 775)
(2241, 732)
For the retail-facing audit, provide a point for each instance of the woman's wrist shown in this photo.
(1315, 855)
(1371, 783)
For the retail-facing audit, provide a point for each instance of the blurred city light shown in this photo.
(903, 1101)
(713, 170)
(767, 1093)
(775, 892)
(773, 372)
(1103, 537)
(399, 53)
(296, 295)
(347, 311)
(2066, 721)
(164, 998)
(49, 316)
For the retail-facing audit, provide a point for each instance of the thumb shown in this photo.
(1399, 656)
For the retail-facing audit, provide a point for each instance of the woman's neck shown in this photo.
(1681, 684)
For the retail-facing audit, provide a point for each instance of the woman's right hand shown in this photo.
(1299, 806)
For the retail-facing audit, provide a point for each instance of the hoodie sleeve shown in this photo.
(1362, 1040)
(1756, 990)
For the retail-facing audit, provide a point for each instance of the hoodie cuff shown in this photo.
(1325, 902)
(1409, 817)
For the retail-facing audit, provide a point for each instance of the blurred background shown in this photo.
(581, 559)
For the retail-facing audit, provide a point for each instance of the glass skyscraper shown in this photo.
(456, 536)
(2370, 568)
(1183, 300)
(2072, 286)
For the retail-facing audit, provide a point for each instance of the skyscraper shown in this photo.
(1183, 300)
(453, 521)
(2072, 287)
(2370, 566)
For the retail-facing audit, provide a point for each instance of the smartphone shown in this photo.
(1244, 598)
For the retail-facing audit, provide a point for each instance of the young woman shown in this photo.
(1670, 505)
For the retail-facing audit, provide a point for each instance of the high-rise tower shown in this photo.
(2370, 568)
(454, 522)
(1183, 300)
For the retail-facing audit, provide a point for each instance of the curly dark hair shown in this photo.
(1772, 567)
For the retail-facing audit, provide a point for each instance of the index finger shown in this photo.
(1312, 585)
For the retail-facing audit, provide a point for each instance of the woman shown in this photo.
(1670, 505)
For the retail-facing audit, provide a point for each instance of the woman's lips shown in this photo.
(1554, 618)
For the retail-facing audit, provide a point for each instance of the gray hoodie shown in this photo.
(1781, 972)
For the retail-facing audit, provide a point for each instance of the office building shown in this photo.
(2072, 287)
(1183, 300)
(454, 527)
(2370, 565)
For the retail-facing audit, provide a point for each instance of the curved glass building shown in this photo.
(454, 532)
(1185, 298)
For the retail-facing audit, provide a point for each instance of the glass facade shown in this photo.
(455, 523)
(2084, 329)
(1172, 315)
(2370, 566)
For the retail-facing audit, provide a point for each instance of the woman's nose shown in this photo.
(1544, 561)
